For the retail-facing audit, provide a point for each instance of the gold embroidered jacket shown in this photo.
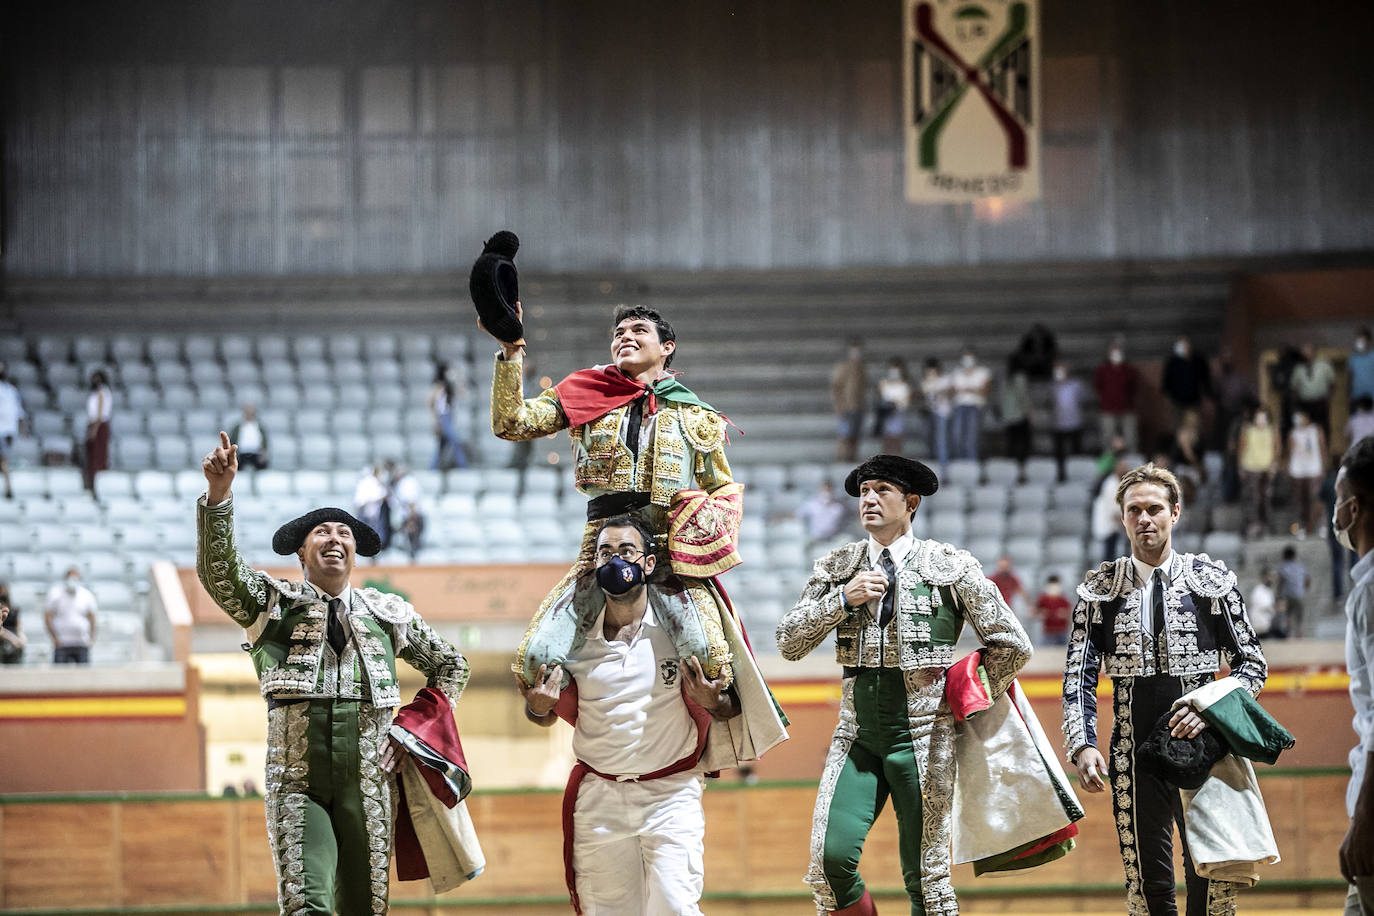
(1204, 622)
(285, 625)
(939, 587)
(688, 441)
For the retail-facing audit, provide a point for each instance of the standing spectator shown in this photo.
(69, 616)
(1263, 606)
(1068, 416)
(939, 402)
(824, 515)
(406, 491)
(1360, 367)
(1052, 610)
(1106, 527)
(1354, 525)
(248, 434)
(1037, 353)
(1185, 456)
(1235, 400)
(1293, 585)
(1009, 584)
(448, 449)
(11, 416)
(98, 409)
(1306, 465)
(848, 384)
(1361, 422)
(1113, 451)
(371, 499)
(1116, 383)
(1312, 382)
(1259, 462)
(12, 640)
(1016, 418)
(521, 451)
(894, 399)
(1186, 380)
(969, 382)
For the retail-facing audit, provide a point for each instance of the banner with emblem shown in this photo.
(972, 99)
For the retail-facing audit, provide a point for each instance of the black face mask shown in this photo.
(617, 576)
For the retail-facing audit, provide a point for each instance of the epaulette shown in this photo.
(704, 429)
(387, 606)
(1207, 577)
(842, 562)
(1105, 582)
(938, 563)
(293, 590)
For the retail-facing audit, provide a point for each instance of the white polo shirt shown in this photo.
(70, 623)
(631, 717)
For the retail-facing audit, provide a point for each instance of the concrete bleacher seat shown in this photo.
(1064, 550)
(962, 473)
(1071, 495)
(987, 525)
(270, 348)
(200, 350)
(990, 497)
(48, 423)
(162, 348)
(51, 348)
(1041, 470)
(171, 452)
(1068, 522)
(1081, 469)
(1030, 497)
(132, 372)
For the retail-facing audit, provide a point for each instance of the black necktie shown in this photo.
(334, 630)
(632, 429)
(1157, 620)
(889, 600)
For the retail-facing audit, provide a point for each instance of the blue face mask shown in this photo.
(617, 576)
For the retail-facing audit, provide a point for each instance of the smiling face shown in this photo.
(1149, 517)
(636, 348)
(328, 551)
(885, 509)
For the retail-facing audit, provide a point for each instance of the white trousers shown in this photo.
(638, 846)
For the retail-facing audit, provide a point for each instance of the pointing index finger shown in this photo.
(223, 439)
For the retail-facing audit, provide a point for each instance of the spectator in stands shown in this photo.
(1259, 461)
(1306, 466)
(1293, 585)
(1263, 606)
(1185, 455)
(1106, 526)
(1361, 421)
(1009, 584)
(69, 615)
(939, 404)
(1354, 526)
(12, 640)
(372, 502)
(824, 515)
(848, 387)
(1116, 382)
(12, 418)
(1052, 610)
(406, 492)
(1016, 417)
(521, 451)
(1360, 368)
(969, 383)
(1067, 397)
(1037, 353)
(1186, 379)
(448, 449)
(1312, 382)
(894, 399)
(1235, 399)
(98, 409)
(251, 438)
(1113, 450)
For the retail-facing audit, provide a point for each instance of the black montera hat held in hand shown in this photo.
(291, 536)
(910, 475)
(495, 287)
(1185, 762)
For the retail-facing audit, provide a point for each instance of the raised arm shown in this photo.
(242, 592)
(515, 417)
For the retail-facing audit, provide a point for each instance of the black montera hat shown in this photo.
(495, 287)
(910, 475)
(291, 536)
(1185, 762)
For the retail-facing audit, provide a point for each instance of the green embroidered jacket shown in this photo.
(285, 624)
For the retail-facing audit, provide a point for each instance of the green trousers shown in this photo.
(881, 762)
(329, 807)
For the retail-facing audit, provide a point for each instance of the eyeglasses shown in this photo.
(627, 553)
